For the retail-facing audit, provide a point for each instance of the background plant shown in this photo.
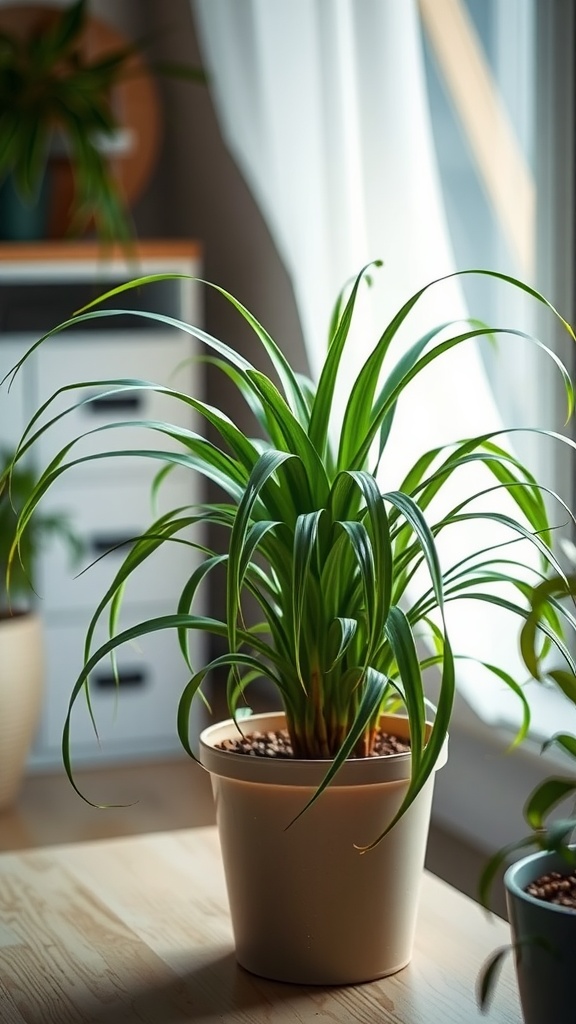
(347, 577)
(547, 830)
(15, 490)
(49, 86)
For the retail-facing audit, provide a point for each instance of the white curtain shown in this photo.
(323, 105)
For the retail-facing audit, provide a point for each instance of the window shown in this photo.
(494, 74)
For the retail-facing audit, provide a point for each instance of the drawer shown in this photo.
(35, 299)
(138, 717)
(12, 399)
(161, 359)
(104, 515)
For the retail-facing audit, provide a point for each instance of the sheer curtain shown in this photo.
(323, 105)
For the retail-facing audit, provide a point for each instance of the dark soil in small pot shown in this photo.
(543, 936)
(557, 888)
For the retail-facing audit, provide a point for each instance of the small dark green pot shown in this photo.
(24, 220)
(545, 944)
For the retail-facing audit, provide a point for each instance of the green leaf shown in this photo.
(294, 438)
(563, 740)
(489, 975)
(70, 24)
(287, 376)
(320, 419)
(401, 638)
(144, 628)
(495, 864)
(557, 586)
(421, 772)
(305, 537)
(558, 833)
(545, 797)
(360, 406)
(411, 512)
(266, 466)
(379, 535)
(346, 631)
(193, 687)
(389, 397)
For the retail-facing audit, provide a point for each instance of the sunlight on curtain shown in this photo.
(323, 104)
(481, 81)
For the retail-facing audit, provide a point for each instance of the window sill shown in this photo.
(480, 793)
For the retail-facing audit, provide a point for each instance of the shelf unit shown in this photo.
(108, 501)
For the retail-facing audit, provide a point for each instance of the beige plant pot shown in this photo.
(21, 678)
(306, 905)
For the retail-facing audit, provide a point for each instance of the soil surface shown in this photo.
(277, 744)
(555, 888)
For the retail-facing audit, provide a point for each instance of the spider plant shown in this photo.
(346, 574)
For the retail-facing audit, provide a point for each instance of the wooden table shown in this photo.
(137, 930)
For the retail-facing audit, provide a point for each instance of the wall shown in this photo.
(199, 192)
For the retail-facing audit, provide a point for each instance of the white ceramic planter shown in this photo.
(21, 679)
(306, 905)
(544, 936)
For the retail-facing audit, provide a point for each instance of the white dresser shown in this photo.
(109, 500)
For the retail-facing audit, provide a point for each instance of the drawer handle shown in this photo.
(121, 402)
(103, 544)
(131, 677)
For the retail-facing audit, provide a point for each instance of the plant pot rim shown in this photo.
(543, 860)
(303, 771)
(16, 616)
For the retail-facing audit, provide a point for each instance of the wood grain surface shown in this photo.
(137, 930)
